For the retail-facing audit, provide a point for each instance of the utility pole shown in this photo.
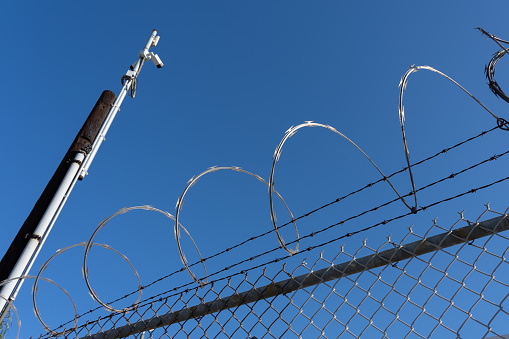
(23, 251)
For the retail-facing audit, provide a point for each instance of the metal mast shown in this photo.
(36, 228)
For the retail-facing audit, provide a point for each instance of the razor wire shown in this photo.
(189, 286)
(501, 124)
(101, 226)
(349, 234)
(365, 294)
(340, 223)
(490, 68)
(202, 261)
(401, 110)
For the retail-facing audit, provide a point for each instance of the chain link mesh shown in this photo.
(449, 282)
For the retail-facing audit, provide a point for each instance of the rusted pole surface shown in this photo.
(82, 143)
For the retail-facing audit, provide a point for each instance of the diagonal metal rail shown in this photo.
(427, 245)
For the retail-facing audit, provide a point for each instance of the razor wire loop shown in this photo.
(194, 180)
(401, 110)
(140, 287)
(490, 68)
(289, 133)
(45, 266)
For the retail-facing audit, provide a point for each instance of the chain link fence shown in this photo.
(450, 282)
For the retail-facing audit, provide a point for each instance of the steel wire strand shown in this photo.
(202, 261)
(375, 208)
(273, 261)
(401, 110)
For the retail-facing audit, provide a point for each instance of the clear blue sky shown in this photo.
(237, 75)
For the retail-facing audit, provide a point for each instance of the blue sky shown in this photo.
(237, 75)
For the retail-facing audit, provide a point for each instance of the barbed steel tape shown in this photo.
(490, 68)
(45, 266)
(277, 153)
(195, 179)
(18, 322)
(140, 287)
(490, 75)
(401, 110)
(36, 310)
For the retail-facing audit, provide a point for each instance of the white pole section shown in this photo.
(77, 170)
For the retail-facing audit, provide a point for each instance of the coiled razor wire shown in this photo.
(89, 244)
(244, 272)
(277, 153)
(188, 287)
(401, 110)
(92, 292)
(490, 68)
(193, 181)
(288, 134)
